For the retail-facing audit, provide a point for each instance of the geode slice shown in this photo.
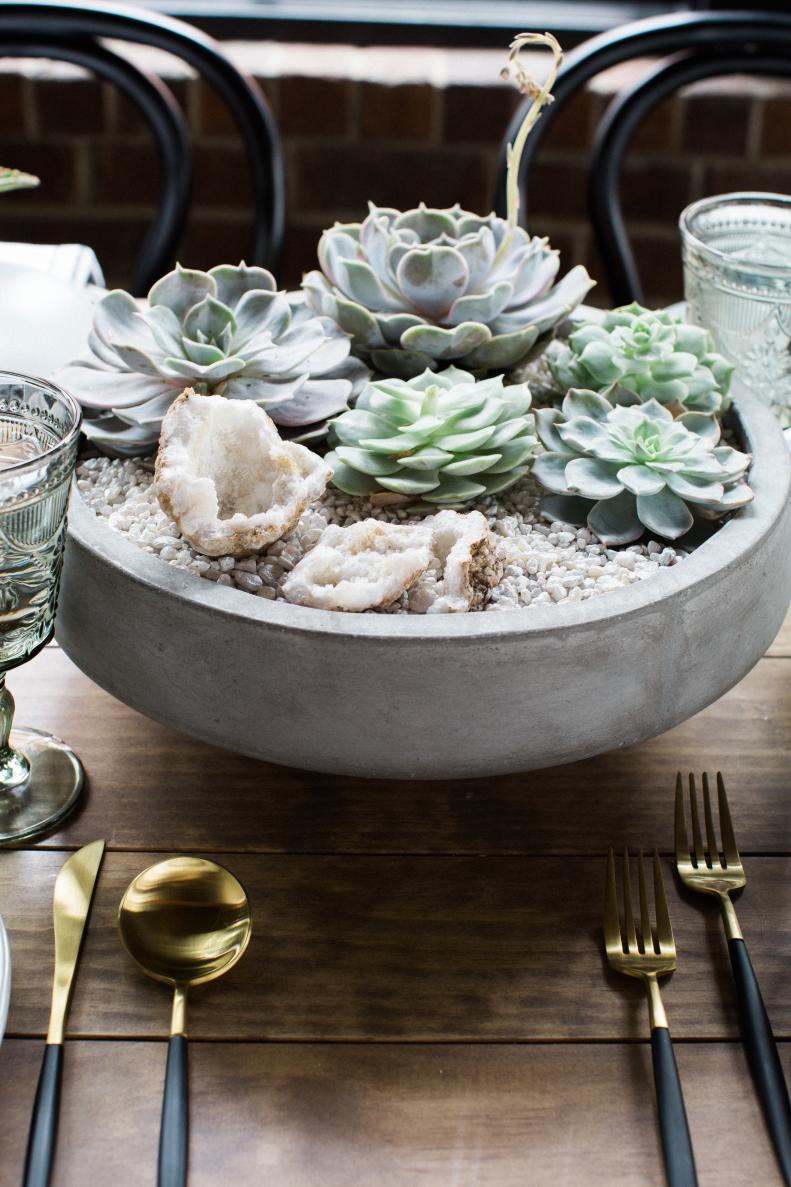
(364, 566)
(465, 562)
(227, 479)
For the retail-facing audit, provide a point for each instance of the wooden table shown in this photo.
(424, 999)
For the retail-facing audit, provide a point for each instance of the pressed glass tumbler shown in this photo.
(40, 777)
(737, 283)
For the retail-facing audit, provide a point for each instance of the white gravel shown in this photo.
(543, 563)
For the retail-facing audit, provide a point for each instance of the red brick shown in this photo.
(650, 191)
(343, 179)
(12, 110)
(715, 124)
(299, 255)
(125, 174)
(314, 106)
(221, 178)
(753, 175)
(214, 116)
(70, 105)
(128, 118)
(656, 131)
(54, 164)
(573, 124)
(776, 134)
(208, 243)
(558, 188)
(659, 267)
(397, 113)
(478, 114)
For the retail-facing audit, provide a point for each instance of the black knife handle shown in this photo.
(761, 1048)
(174, 1131)
(673, 1126)
(44, 1122)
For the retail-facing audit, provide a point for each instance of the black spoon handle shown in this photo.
(44, 1122)
(761, 1048)
(174, 1130)
(673, 1126)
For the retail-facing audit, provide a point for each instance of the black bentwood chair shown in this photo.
(700, 45)
(74, 32)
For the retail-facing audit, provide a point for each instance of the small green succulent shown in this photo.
(649, 352)
(636, 467)
(444, 438)
(423, 288)
(226, 332)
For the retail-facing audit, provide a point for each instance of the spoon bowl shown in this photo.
(185, 921)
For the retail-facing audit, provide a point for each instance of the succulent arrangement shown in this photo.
(423, 288)
(648, 352)
(225, 332)
(631, 468)
(443, 438)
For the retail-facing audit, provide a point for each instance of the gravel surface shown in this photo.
(544, 564)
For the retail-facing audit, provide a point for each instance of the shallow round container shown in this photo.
(429, 697)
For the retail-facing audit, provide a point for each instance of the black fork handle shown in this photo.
(761, 1049)
(673, 1125)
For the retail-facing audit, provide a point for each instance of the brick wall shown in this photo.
(431, 133)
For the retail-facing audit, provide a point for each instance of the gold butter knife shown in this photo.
(74, 887)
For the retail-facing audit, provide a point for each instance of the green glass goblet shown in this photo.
(40, 777)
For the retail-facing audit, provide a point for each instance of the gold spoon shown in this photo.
(183, 921)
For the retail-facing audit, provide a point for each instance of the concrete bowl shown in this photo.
(414, 697)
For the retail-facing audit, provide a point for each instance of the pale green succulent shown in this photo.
(425, 288)
(225, 332)
(442, 438)
(635, 467)
(15, 179)
(650, 352)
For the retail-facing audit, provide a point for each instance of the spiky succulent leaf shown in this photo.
(15, 179)
(636, 467)
(443, 438)
(651, 354)
(226, 332)
(420, 288)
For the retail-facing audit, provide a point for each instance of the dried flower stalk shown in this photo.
(541, 94)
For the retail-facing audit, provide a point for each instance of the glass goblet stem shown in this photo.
(14, 767)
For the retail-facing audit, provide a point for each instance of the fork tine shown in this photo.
(628, 918)
(711, 836)
(645, 918)
(682, 844)
(726, 825)
(612, 927)
(664, 930)
(697, 843)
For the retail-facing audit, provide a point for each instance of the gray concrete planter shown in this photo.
(433, 697)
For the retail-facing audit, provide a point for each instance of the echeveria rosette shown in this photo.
(649, 352)
(424, 288)
(632, 468)
(439, 438)
(224, 332)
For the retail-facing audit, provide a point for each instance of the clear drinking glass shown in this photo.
(40, 777)
(737, 283)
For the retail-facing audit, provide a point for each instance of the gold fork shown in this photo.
(648, 957)
(711, 870)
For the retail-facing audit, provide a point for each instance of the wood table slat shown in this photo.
(782, 644)
(303, 1115)
(151, 788)
(405, 948)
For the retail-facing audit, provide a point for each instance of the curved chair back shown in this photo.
(74, 32)
(703, 45)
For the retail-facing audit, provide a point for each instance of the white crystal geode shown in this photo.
(226, 477)
(364, 566)
(466, 551)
